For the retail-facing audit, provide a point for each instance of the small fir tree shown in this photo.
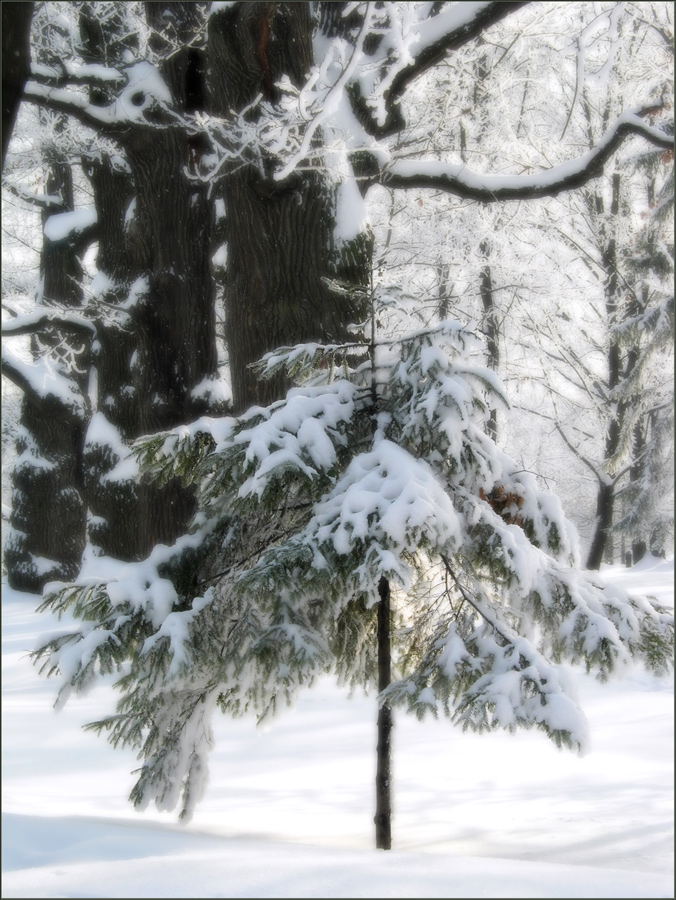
(373, 484)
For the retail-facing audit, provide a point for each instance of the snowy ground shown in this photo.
(288, 811)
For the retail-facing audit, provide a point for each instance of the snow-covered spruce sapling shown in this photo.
(373, 479)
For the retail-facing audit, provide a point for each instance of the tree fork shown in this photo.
(383, 814)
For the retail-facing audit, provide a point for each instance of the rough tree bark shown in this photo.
(16, 29)
(48, 518)
(155, 252)
(280, 235)
(491, 327)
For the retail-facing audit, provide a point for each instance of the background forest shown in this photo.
(310, 314)
(571, 293)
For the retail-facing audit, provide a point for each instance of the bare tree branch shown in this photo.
(600, 476)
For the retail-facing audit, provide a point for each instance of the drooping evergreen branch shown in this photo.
(467, 597)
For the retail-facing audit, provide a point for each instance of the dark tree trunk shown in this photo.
(114, 503)
(16, 58)
(605, 502)
(444, 289)
(175, 317)
(383, 816)
(605, 499)
(639, 546)
(280, 235)
(161, 344)
(491, 328)
(279, 250)
(48, 518)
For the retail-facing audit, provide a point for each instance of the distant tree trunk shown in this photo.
(605, 499)
(639, 546)
(605, 502)
(491, 328)
(609, 555)
(491, 325)
(444, 289)
(383, 816)
(16, 59)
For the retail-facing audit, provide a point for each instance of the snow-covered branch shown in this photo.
(45, 202)
(458, 179)
(64, 101)
(144, 102)
(66, 73)
(48, 389)
(426, 43)
(37, 321)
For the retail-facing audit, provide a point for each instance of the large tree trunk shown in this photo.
(48, 515)
(161, 344)
(279, 252)
(48, 518)
(16, 60)
(281, 237)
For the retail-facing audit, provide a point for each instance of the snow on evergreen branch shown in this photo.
(304, 506)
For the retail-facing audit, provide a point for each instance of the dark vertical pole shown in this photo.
(383, 775)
